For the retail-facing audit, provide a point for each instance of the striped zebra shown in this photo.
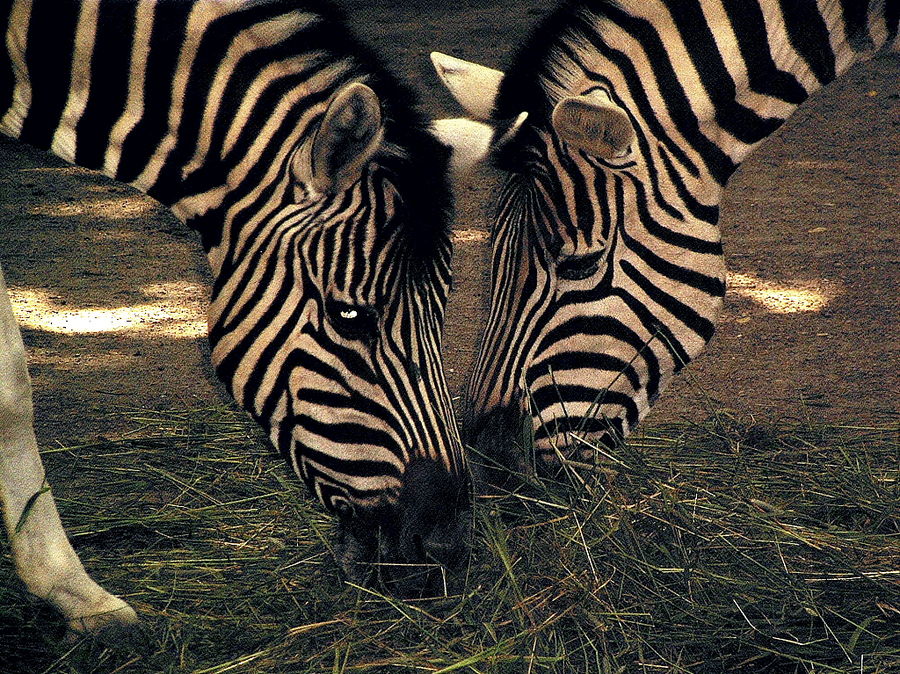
(629, 118)
(320, 198)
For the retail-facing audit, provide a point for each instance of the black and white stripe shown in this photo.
(608, 273)
(320, 198)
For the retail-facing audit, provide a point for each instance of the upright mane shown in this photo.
(533, 75)
(534, 70)
(417, 162)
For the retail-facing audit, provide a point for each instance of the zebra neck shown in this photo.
(759, 61)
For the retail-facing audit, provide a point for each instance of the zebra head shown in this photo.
(607, 272)
(331, 279)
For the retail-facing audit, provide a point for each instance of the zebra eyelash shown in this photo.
(353, 321)
(579, 267)
(618, 164)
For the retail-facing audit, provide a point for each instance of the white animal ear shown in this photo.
(471, 142)
(473, 86)
(348, 136)
(593, 124)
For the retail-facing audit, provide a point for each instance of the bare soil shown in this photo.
(810, 222)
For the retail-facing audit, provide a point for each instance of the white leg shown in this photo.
(43, 557)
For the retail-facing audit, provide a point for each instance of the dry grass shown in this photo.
(707, 549)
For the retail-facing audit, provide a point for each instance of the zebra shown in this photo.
(617, 128)
(320, 197)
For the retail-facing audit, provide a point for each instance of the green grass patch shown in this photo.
(713, 548)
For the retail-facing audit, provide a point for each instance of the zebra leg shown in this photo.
(41, 552)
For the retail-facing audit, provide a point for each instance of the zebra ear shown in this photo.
(471, 142)
(593, 124)
(348, 136)
(473, 86)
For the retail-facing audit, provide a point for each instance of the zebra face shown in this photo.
(588, 319)
(326, 325)
(562, 368)
(605, 282)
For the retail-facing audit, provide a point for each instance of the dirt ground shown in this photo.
(810, 224)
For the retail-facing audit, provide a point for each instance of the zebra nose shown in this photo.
(500, 440)
(435, 507)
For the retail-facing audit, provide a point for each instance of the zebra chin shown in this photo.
(414, 547)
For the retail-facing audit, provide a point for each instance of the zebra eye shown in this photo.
(578, 267)
(353, 321)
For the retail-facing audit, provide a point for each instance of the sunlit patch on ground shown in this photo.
(176, 309)
(469, 235)
(783, 299)
(119, 208)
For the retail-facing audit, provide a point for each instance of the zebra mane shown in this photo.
(535, 75)
(417, 162)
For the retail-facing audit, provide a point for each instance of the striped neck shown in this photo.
(200, 104)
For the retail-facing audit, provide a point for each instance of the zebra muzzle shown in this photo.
(414, 547)
(499, 441)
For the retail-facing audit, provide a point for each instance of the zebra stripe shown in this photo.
(320, 199)
(608, 273)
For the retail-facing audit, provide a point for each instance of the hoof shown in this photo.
(113, 618)
(118, 629)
